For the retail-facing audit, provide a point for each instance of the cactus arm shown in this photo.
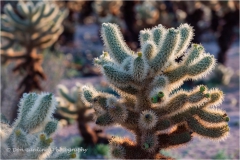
(166, 51)
(145, 35)
(111, 37)
(181, 100)
(116, 76)
(211, 132)
(210, 115)
(49, 42)
(13, 17)
(177, 137)
(22, 9)
(21, 136)
(26, 103)
(63, 91)
(42, 108)
(50, 127)
(38, 16)
(195, 71)
(149, 50)
(20, 139)
(158, 34)
(186, 35)
(140, 68)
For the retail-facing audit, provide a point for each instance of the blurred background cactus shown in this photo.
(71, 106)
(147, 14)
(54, 67)
(151, 105)
(222, 75)
(108, 11)
(29, 136)
(32, 27)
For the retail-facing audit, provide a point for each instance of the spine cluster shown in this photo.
(29, 136)
(151, 105)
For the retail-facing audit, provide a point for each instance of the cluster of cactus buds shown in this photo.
(151, 105)
(29, 136)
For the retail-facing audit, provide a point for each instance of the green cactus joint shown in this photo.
(227, 119)
(105, 54)
(160, 47)
(73, 155)
(49, 140)
(145, 146)
(207, 95)
(42, 137)
(18, 132)
(202, 89)
(154, 99)
(200, 48)
(96, 61)
(160, 94)
(139, 54)
(195, 45)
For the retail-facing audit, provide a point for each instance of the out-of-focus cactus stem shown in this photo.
(71, 106)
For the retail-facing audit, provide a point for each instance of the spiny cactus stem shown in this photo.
(143, 102)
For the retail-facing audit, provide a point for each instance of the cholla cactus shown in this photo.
(70, 105)
(33, 27)
(150, 105)
(29, 136)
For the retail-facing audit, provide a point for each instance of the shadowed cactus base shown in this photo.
(29, 136)
(151, 105)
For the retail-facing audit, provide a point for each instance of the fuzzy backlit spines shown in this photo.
(150, 104)
(114, 42)
(31, 130)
